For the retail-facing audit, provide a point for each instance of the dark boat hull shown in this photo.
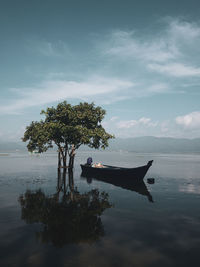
(137, 174)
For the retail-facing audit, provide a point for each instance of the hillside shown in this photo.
(146, 144)
(155, 144)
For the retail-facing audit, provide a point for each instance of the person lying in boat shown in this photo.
(97, 165)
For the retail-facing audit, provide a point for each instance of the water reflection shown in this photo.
(190, 188)
(68, 216)
(125, 183)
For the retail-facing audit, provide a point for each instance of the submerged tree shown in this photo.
(68, 127)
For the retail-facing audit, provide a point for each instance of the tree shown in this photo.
(68, 127)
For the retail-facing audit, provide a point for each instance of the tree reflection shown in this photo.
(68, 216)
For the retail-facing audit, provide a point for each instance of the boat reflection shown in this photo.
(125, 183)
(67, 216)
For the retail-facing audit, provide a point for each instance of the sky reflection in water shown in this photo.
(110, 225)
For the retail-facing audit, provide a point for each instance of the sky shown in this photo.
(139, 60)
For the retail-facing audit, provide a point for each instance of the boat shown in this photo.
(137, 174)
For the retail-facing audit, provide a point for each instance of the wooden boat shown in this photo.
(137, 173)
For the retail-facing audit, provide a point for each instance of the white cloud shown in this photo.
(165, 127)
(132, 123)
(126, 44)
(161, 53)
(114, 118)
(131, 128)
(175, 69)
(58, 90)
(171, 52)
(189, 121)
(137, 61)
(148, 127)
(158, 88)
(102, 90)
(184, 30)
(49, 49)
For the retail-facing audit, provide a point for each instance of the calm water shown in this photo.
(45, 221)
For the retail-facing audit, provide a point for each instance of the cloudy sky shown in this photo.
(138, 59)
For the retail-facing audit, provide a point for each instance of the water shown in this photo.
(99, 224)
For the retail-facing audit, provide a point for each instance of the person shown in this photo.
(89, 161)
(99, 165)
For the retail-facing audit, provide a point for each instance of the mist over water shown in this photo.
(45, 222)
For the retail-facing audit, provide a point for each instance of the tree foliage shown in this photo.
(68, 127)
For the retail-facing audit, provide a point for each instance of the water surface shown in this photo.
(45, 222)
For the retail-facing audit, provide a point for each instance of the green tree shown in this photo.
(68, 127)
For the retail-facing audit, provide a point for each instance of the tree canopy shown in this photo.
(68, 127)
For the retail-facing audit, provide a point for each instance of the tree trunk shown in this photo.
(62, 158)
(59, 160)
(71, 158)
(64, 162)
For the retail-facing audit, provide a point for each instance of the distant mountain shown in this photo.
(147, 144)
(155, 144)
(12, 146)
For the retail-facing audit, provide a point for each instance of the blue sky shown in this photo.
(140, 60)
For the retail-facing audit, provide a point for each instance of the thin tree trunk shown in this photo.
(60, 156)
(65, 158)
(64, 162)
(71, 157)
(59, 160)
(59, 185)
